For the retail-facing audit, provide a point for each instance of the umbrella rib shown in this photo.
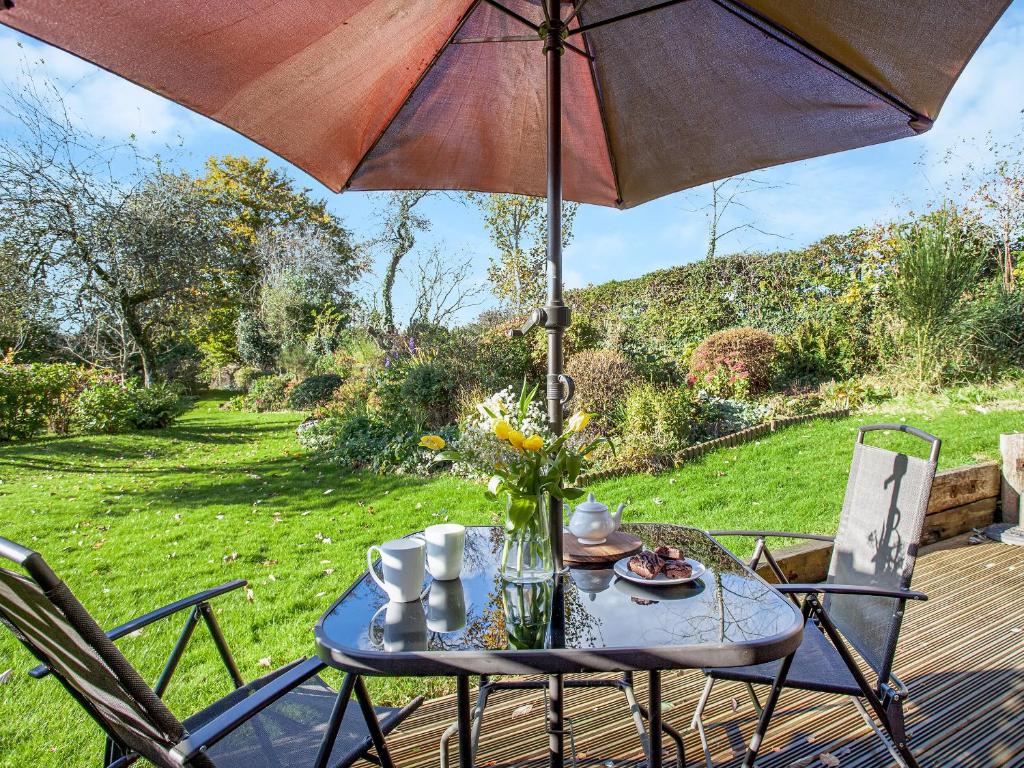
(408, 97)
(814, 54)
(531, 25)
(599, 94)
(505, 39)
(622, 17)
(518, 17)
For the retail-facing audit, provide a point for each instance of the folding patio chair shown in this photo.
(289, 717)
(868, 585)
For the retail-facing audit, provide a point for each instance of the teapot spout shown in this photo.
(617, 515)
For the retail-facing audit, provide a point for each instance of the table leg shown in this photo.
(654, 717)
(556, 735)
(465, 723)
(372, 724)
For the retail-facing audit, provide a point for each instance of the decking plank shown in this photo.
(959, 653)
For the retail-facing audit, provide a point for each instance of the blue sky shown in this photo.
(811, 198)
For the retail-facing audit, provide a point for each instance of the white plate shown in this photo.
(661, 580)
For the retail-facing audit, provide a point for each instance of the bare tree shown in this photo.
(727, 196)
(400, 225)
(999, 188)
(116, 231)
(517, 226)
(443, 289)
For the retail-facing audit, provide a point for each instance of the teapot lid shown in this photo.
(591, 505)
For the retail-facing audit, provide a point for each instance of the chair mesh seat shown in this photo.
(817, 666)
(289, 732)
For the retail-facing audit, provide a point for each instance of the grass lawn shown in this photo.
(135, 521)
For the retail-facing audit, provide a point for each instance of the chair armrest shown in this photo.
(773, 534)
(850, 589)
(154, 616)
(224, 724)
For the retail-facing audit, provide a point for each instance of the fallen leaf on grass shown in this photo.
(249, 594)
(266, 662)
(6, 675)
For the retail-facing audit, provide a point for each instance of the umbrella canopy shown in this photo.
(613, 102)
(658, 96)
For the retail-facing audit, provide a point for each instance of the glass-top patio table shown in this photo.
(588, 620)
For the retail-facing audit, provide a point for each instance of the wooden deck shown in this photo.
(961, 654)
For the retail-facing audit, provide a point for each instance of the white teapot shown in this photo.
(591, 522)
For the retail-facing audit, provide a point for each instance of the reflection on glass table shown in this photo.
(586, 621)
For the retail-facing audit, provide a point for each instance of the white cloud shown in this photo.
(103, 103)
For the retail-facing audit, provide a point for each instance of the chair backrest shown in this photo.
(877, 541)
(47, 618)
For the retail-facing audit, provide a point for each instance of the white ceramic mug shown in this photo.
(446, 606)
(446, 543)
(402, 562)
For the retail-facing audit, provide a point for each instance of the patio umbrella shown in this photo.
(611, 102)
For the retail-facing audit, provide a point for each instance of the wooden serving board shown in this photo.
(617, 546)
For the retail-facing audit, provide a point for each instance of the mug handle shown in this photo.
(373, 571)
(373, 620)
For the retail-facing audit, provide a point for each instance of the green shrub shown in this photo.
(428, 391)
(815, 351)
(738, 353)
(992, 333)
(657, 422)
(38, 396)
(156, 407)
(347, 400)
(489, 360)
(362, 442)
(254, 345)
(313, 391)
(602, 378)
(246, 375)
(269, 393)
(106, 406)
(938, 262)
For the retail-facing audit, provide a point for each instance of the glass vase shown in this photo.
(526, 553)
(527, 614)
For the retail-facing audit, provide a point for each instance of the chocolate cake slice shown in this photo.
(677, 569)
(669, 553)
(645, 564)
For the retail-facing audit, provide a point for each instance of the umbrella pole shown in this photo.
(556, 314)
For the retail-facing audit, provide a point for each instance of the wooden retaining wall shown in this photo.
(962, 498)
(747, 435)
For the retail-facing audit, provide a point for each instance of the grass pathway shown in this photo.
(134, 521)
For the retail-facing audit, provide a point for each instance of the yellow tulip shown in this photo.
(579, 422)
(516, 438)
(533, 443)
(433, 442)
(502, 428)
